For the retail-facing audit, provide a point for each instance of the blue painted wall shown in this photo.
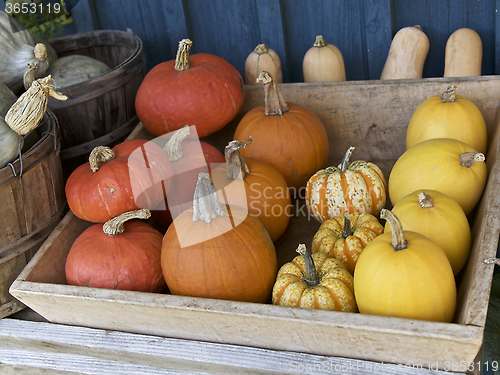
(361, 29)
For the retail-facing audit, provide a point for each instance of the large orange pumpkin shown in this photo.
(118, 180)
(286, 135)
(117, 255)
(202, 90)
(267, 195)
(356, 187)
(216, 251)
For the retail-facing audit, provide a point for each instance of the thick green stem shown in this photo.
(311, 277)
(398, 237)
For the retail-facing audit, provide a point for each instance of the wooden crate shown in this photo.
(370, 115)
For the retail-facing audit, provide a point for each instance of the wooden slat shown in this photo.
(378, 36)
(64, 348)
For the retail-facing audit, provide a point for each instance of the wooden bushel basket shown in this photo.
(32, 203)
(100, 111)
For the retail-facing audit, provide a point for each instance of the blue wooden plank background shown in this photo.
(361, 29)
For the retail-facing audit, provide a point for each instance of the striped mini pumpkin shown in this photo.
(357, 187)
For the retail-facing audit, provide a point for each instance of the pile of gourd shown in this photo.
(221, 222)
(409, 271)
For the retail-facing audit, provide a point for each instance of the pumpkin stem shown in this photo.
(418, 27)
(275, 103)
(311, 277)
(399, 241)
(345, 161)
(206, 205)
(347, 231)
(173, 146)
(100, 154)
(449, 95)
(29, 109)
(320, 42)
(235, 164)
(114, 226)
(182, 57)
(425, 200)
(467, 159)
(261, 49)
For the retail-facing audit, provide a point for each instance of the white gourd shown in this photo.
(73, 69)
(9, 139)
(17, 49)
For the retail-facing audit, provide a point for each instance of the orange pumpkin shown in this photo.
(286, 135)
(345, 237)
(118, 255)
(202, 90)
(316, 282)
(216, 251)
(118, 180)
(267, 196)
(355, 187)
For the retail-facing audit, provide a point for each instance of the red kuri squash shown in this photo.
(118, 180)
(202, 90)
(118, 255)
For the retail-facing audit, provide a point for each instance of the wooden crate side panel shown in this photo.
(272, 327)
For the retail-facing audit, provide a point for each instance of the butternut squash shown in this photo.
(407, 54)
(323, 62)
(463, 54)
(262, 58)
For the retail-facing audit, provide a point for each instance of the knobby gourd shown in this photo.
(286, 135)
(345, 237)
(404, 274)
(352, 187)
(315, 281)
(323, 62)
